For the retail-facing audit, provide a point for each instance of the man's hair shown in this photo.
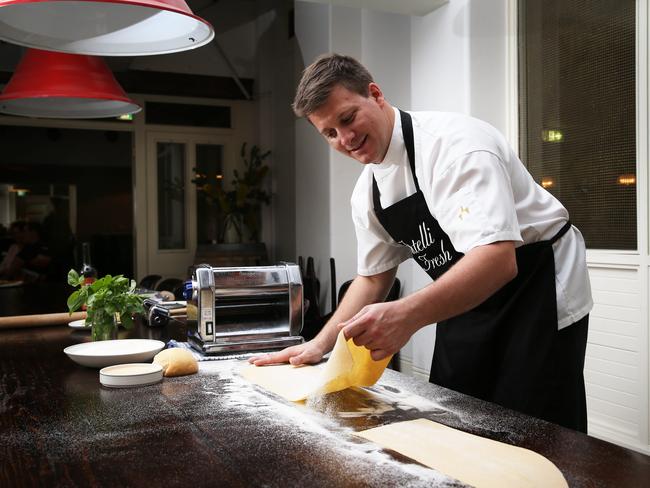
(320, 77)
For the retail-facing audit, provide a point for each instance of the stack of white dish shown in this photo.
(122, 361)
(133, 374)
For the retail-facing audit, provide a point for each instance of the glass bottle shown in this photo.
(88, 272)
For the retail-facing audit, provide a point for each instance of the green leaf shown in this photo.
(126, 320)
(120, 281)
(100, 284)
(75, 300)
(73, 278)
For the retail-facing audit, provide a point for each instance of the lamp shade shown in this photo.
(64, 86)
(103, 27)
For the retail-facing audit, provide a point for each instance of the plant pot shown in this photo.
(104, 326)
(233, 229)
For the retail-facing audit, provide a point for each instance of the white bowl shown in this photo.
(79, 324)
(131, 375)
(99, 354)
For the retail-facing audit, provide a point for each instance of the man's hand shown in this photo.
(382, 328)
(307, 353)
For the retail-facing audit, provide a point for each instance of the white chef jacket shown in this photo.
(478, 190)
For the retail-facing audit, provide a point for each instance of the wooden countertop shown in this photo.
(60, 427)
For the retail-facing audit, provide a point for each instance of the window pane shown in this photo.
(209, 176)
(185, 114)
(577, 111)
(171, 195)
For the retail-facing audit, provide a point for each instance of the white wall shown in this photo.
(439, 69)
(325, 178)
(616, 368)
(313, 230)
(347, 31)
(487, 62)
(274, 90)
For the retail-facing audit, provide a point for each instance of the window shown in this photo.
(209, 178)
(577, 84)
(171, 195)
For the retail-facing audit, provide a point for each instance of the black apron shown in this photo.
(506, 349)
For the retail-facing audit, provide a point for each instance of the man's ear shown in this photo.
(375, 93)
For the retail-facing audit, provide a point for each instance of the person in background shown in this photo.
(32, 259)
(58, 237)
(5, 240)
(13, 248)
(510, 291)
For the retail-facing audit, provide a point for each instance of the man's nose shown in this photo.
(347, 136)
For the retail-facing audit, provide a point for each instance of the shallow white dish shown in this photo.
(79, 324)
(131, 375)
(10, 283)
(107, 353)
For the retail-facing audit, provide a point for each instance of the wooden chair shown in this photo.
(174, 285)
(149, 282)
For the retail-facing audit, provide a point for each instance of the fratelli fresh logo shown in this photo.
(426, 251)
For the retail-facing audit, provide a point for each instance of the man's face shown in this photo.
(357, 126)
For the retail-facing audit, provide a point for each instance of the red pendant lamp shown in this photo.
(103, 27)
(64, 86)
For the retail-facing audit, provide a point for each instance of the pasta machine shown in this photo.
(239, 310)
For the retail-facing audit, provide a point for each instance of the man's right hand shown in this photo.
(307, 353)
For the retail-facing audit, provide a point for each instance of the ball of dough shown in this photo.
(176, 362)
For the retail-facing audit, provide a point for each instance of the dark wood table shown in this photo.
(60, 427)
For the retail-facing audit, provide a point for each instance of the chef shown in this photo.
(510, 290)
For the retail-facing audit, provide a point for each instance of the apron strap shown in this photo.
(376, 203)
(565, 228)
(409, 142)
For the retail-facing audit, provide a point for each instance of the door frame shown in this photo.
(174, 262)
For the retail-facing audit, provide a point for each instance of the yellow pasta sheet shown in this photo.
(349, 365)
(474, 460)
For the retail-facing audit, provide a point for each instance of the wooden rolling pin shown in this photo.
(40, 320)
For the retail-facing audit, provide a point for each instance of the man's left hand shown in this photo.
(381, 327)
